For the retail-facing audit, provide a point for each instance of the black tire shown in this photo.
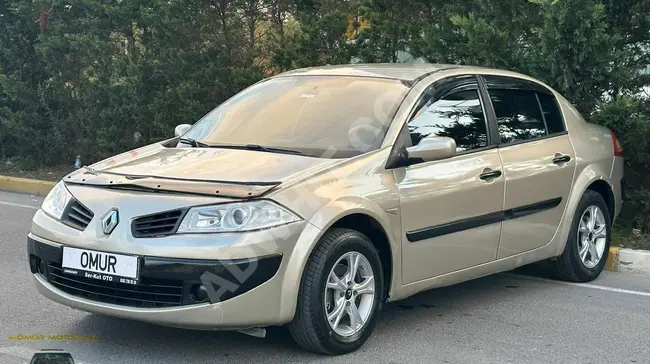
(568, 266)
(310, 328)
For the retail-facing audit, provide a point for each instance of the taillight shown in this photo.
(618, 151)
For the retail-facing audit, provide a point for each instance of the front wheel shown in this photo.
(587, 247)
(340, 294)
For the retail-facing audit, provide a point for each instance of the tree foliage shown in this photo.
(97, 77)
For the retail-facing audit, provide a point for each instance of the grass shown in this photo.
(54, 174)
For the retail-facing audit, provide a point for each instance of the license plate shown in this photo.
(102, 266)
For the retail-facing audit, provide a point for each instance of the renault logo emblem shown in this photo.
(110, 221)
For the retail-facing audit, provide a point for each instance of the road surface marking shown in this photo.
(584, 285)
(19, 205)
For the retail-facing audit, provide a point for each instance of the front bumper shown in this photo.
(201, 316)
(164, 282)
(264, 298)
(270, 297)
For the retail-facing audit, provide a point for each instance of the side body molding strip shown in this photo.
(481, 220)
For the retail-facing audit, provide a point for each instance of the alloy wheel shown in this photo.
(592, 236)
(349, 294)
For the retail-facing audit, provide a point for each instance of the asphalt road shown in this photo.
(506, 318)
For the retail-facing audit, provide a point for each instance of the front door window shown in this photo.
(457, 115)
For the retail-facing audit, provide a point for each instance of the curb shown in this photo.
(25, 185)
(628, 261)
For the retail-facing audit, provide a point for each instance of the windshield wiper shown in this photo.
(193, 142)
(197, 144)
(256, 147)
(272, 149)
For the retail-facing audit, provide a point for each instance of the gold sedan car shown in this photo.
(313, 197)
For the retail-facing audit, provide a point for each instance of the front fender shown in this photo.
(320, 223)
(336, 210)
(332, 212)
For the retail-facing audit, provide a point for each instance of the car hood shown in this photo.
(211, 171)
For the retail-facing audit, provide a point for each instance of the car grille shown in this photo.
(163, 223)
(150, 293)
(77, 215)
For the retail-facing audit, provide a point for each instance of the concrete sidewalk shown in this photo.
(628, 261)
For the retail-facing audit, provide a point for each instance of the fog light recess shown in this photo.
(199, 293)
(41, 267)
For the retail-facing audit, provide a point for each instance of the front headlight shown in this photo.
(235, 217)
(56, 201)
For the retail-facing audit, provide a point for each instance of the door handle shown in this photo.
(490, 174)
(559, 159)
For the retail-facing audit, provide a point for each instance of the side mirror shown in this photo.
(181, 129)
(433, 149)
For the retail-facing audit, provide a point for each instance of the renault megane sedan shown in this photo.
(315, 196)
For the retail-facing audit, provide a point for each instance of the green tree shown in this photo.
(392, 22)
(97, 77)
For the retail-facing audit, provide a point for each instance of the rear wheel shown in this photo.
(587, 248)
(340, 294)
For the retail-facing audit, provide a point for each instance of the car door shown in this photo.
(450, 209)
(538, 162)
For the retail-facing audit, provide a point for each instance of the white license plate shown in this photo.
(100, 265)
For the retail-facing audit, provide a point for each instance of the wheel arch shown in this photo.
(565, 265)
(304, 323)
(370, 219)
(373, 230)
(595, 178)
(603, 188)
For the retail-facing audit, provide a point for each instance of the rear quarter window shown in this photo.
(552, 114)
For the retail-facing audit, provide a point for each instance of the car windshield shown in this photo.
(321, 116)
(52, 358)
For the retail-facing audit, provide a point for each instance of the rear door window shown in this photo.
(518, 114)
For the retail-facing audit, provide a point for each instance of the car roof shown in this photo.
(397, 71)
(408, 72)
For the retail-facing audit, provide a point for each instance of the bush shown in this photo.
(629, 118)
(97, 77)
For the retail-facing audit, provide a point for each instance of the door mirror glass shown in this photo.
(181, 129)
(432, 149)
